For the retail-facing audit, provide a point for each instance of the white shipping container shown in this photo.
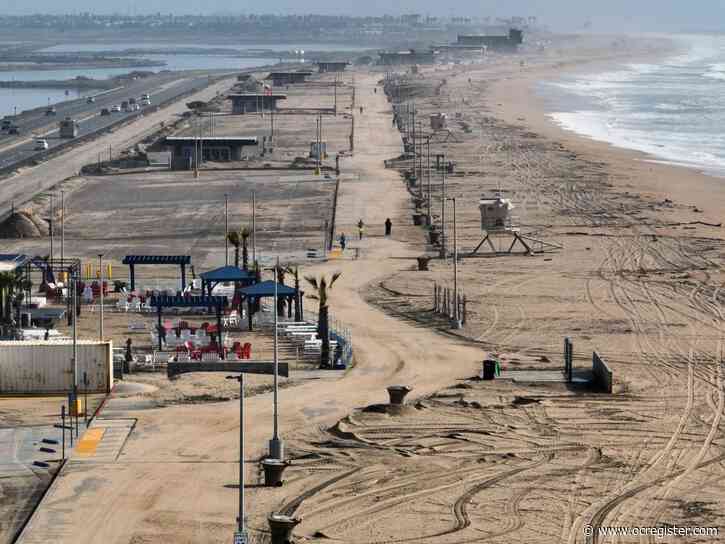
(46, 367)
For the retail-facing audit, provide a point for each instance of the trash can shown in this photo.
(489, 369)
(423, 262)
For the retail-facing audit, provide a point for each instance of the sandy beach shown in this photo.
(632, 270)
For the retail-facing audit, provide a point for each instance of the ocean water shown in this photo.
(672, 109)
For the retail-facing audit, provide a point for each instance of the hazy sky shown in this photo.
(651, 15)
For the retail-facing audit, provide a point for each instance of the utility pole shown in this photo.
(74, 310)
(443, 210)
(226, 229)
(241, 534)
(52, 220)
(276, 445)
(62, 228)
(456, 315)
(430, 218)
(254, 228)
(100, 273)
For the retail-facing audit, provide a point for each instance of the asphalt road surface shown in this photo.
(31, 124)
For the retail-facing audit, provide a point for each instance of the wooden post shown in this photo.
(435, 297)
(464, 309)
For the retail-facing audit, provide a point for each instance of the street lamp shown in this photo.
(456, 315)
(443, 205)
(276, 444)
(100, 274)
(241, 533)
(226, 229)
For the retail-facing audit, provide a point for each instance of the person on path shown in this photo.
(388, 226)
(360, 229)
(361, 110)
(343, 241)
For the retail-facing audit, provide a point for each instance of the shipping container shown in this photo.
(46, 367)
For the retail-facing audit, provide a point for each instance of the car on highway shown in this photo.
(6, 124)
(115, 108)
(132, 100)
(145, 96)
(145, 102)
(13, 129)
(41, 144)
(90, 100)
(125, 106)
(50, 111)
(105, 111)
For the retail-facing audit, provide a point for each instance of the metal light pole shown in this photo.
(100, 271)
(430, 219)
(74, 309)
(62, 228)
(254, 228)
(241, 534)
(226, 229)
(456, 316)
(51, 230)
(276, 445)
(443, 211)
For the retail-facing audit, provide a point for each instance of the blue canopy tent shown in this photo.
(133, 260)
(255, 292)
(240, 277)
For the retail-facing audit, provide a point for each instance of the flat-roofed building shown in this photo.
(185, 149)
(254, 102)
(332, 66)
(411, 56)
(287, 78)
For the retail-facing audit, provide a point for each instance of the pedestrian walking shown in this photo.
(361, 110)
(360, 229)
(343, 241)
(388, 227)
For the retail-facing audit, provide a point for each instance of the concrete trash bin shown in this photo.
(423, 262)
(489, 369)
(281, 527)
(397, 394)
(273, 470)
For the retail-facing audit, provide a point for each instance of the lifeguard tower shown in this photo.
(497, 225)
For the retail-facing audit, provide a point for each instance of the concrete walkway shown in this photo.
(175, 479)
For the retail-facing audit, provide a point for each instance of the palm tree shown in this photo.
(281, 272)
(235, 240)
(245, 233)
(322, 287)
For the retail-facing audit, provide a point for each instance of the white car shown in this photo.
(115, 108)
(146, 102)
(41, 145)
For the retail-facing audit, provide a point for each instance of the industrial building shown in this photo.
(411, 56)
(288, 78)
(45, 367)
(254, 102)
(332, 66)
(508, 42)
(185, 149)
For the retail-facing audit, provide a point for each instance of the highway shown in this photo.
(36, 124)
